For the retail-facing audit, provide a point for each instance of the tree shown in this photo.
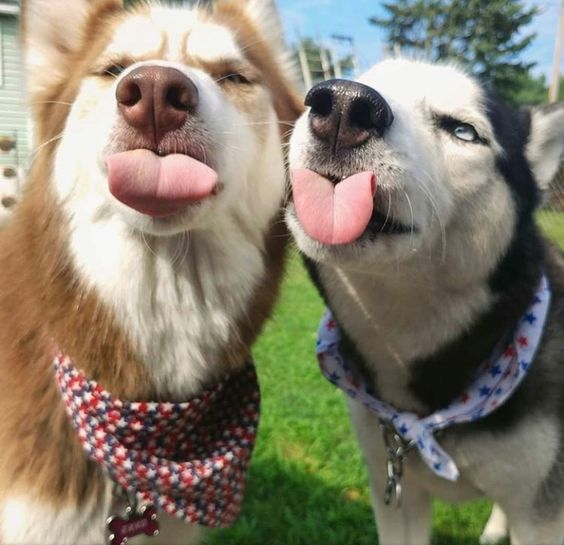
(527, 90)
(484, 35)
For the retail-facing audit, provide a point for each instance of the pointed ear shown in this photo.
(545, 149)
(51, 33)
(265, 16)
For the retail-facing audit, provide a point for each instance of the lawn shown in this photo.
(307, 484)
(553, 225)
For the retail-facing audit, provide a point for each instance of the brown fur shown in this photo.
(44, 303)
(286, 102)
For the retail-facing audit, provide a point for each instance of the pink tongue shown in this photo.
(333, 214)
(158, 186)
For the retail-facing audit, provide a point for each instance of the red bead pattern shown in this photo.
(187, 459)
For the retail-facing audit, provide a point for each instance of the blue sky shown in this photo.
(321, 18)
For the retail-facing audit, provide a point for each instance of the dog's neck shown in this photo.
(394, 320)
(179, 299)
(420, 331)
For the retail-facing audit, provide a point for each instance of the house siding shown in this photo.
(13, 115)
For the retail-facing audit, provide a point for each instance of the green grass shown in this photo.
(307, 484)
(553, 225)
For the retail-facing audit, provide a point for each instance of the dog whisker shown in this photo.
(36, 150)
(412, 218)
(427, 193)
(37, 103)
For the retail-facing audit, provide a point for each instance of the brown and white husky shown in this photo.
(154, 276)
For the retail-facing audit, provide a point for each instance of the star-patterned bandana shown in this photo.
(187, 459)
(495, 382)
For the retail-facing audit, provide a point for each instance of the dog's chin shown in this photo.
(374, 248)
(198, 216)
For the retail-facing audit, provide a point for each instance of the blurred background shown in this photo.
(514, 45)
(308, 484)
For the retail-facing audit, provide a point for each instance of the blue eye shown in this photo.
(465, 132)
(459, 129)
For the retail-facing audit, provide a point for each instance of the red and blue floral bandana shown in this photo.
(187, 459)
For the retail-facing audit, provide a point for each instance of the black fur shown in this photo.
(439, 379)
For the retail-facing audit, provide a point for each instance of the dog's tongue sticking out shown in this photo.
(159, 186)
(333, 213)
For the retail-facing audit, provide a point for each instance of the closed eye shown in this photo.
(234, 77)
(113, 67)
(113, 70)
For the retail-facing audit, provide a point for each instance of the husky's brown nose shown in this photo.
(156, 100)
(347, 114)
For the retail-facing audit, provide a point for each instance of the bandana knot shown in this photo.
(188, 459)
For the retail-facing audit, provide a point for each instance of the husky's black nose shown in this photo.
(156, 100)
(347, 113)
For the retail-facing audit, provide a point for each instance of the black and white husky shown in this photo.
(414, 194)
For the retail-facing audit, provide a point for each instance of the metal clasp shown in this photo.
(397, 449)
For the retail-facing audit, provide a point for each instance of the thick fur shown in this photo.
(151, 309)
(421, 311)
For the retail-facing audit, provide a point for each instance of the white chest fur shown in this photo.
(396, 318)
(178, 298)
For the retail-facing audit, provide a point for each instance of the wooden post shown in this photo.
(555, 83)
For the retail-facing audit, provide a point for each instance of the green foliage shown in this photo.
(527, 90)
(484, 35)
(552, 223)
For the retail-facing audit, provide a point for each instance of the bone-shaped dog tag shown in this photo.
(135, 523)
